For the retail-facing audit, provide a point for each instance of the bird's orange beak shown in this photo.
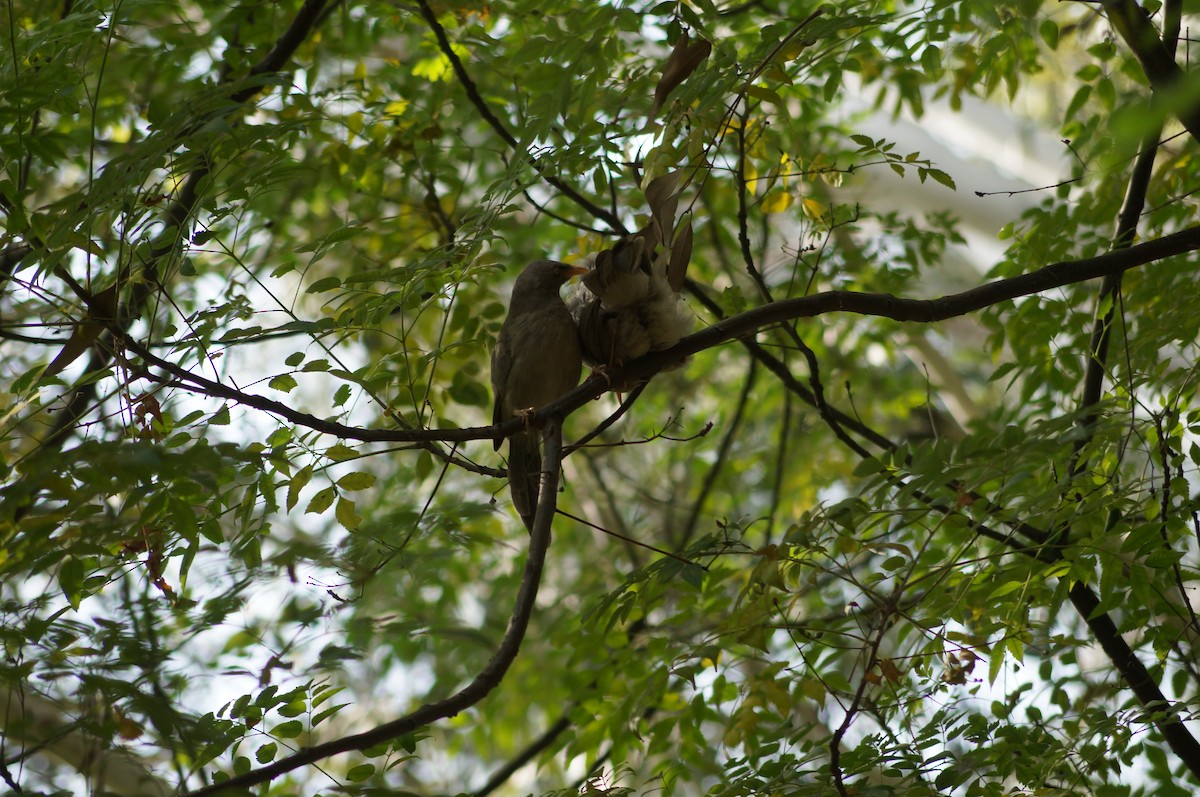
(577, 271)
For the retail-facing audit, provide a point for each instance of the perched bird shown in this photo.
(621, 309)
(628, 304)
(536, 360)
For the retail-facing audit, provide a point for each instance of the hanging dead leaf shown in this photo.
(681, 254)
(662, 195)
(889, 670)
(101, 311)
(684, 58)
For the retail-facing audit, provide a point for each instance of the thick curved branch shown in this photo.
(741, 326)
(1181, 741)
(1110, 288)
(487, 679)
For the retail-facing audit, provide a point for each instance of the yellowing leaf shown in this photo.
(776, 201)
(432, 69)
(435, 69)
(395, 108)
(813, 209)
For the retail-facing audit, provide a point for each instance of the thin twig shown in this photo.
(631, 540)
(477, 100)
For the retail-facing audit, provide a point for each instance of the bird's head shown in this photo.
(545, 276)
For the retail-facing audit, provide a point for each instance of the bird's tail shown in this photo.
(525, 472)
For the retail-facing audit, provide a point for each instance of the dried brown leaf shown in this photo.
(684, 58)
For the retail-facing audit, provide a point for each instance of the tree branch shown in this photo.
(884, 305)
(285, 46)
(1110, 288)
(741, 326)
(79, 400)
(1181, 741)
(1130, 22)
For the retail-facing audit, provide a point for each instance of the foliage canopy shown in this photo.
(862, 541)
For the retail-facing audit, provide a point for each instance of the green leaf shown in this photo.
(358, 480)
(1004, 589)
(360, 773)
(325, 714)
(321, 501)
(943, 178)
(341, 453)
(288, 730)
(266, 753)
(996, 662)
(293, 709)
(1048, 30)
(283, 382)
(764, 93)
(324, 284)
(298, 483)
(345, 514)
(70, 578)
(931, 59)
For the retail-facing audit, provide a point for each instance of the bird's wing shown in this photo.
(501, 365)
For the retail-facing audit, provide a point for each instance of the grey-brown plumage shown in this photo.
(625, 307)
(628, 304)
(536, 360)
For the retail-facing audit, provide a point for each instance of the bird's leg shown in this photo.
(601, 371)
(526, 416)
